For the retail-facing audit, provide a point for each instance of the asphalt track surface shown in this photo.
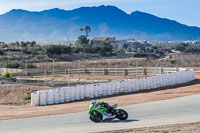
(173, 111)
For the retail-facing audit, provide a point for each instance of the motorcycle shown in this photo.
(99, 113)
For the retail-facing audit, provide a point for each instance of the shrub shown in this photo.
(1, 52)
(105, 49)
(31, 66)
(58, 49)
(14, 64)
(18, 65)
(27, 97)
(172, 61)
(181, 47)
(6, 75)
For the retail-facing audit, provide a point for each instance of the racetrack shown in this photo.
(180, 110)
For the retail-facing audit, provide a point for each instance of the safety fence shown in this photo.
(91, 91)
(11, 70)
(133, 71)
(130, 71)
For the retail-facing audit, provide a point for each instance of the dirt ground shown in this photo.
(25, 111)
(75, 78)
(13, 94)
(176, 128)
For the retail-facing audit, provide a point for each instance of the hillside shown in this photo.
(62, 25)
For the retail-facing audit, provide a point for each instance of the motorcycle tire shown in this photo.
(121, 114)
(96, 118)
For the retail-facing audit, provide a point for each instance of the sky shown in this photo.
(184, 11)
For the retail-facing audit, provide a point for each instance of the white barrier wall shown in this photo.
(80, 92)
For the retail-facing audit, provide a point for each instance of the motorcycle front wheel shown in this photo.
(121, 114)
(96, 117)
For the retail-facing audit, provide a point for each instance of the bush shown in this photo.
(1, 52)
(18, 65)
(31, 66)
(58, 49)
(14, 64)
(6, 75)
(27, 97)
(105, 49)
(181, 47)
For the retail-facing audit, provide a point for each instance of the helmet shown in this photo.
(94, 102)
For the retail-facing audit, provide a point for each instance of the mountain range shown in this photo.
(62, 25)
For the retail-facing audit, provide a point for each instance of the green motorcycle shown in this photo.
(99, 113)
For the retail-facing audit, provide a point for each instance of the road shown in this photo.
(173, 111)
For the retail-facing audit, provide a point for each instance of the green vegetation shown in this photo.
(187, 48)
(58, 49)
(105, 49)
(31, 65)
(24, 47)
(153, 52)
(14, 64)
(18, 65)
(1, 52)
(27, 97)
(82, 45)
(6, 75)
(82, 40)
(181, 47)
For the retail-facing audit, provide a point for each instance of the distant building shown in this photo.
(167, 50)
(1, 43)
(98, 40)
(117, 45)
(136, 44)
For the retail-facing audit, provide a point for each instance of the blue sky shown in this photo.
(183, 11)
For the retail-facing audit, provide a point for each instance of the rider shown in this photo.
(104, 104)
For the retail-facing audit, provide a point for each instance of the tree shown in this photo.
(82, 45)
(23, 44)
(105, 49)
(181, 47)
(82, 40)
(17, 44)
(58, 49)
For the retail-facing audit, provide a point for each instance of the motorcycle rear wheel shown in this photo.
(96, 117)
(121, 114)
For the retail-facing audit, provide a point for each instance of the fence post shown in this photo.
(136, 69)
(105, 71)
(144, 71)
(85, 71)
(176, 69)
(65, 71)
(93, 72)
(45, 72)
(157, 70)
(161, 70)
(53, 66)
(125, 72)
